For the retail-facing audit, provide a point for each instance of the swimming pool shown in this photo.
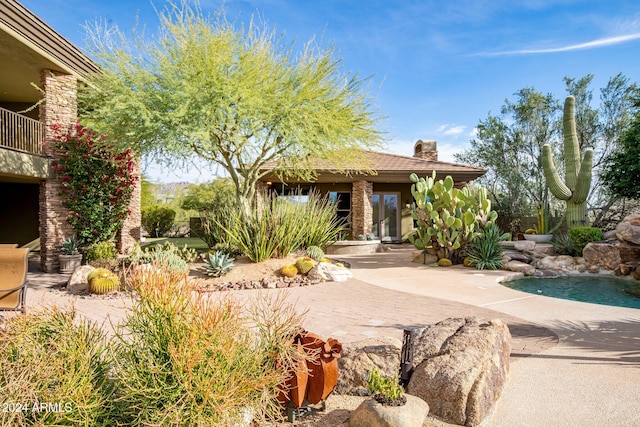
(606, 290)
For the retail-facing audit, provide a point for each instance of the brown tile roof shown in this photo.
(391, 168)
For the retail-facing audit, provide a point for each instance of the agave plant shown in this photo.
(485, 251)
(217, 264)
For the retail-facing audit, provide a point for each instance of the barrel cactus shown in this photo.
(575, 189)
(304, 264)
(289, 271)
(102, 281)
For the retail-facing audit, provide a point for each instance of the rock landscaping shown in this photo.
(460, 369)
(619, 254)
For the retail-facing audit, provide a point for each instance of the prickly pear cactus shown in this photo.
(448, 217)
(102, 281)
(577, 173)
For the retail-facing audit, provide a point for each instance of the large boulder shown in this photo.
(629, 230)
(608, 255)
(519, 267)
(462, 381)
(370, 413)
(359, 358)
(325, 271)
(77, 283)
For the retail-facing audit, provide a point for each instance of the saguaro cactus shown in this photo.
(577, 173)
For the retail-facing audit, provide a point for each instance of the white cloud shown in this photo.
(609, 41)
(451, 130)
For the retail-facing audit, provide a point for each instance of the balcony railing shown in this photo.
(20, 133)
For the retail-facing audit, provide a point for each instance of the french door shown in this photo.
(386, 216)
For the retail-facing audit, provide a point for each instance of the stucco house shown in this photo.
(380, 203)
(34, 54)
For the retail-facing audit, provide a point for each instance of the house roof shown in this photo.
(27, 46)
(392, 168)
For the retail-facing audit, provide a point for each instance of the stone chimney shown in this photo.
(425, 149)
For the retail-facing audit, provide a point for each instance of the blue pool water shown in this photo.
(594, 289)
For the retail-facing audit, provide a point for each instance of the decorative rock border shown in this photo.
(264, 283)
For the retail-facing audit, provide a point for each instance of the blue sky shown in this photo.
(437, 67)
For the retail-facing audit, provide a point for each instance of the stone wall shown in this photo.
(58, 106)
(131, 230)
(361, 208)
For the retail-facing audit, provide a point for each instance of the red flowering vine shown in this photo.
(97, 182)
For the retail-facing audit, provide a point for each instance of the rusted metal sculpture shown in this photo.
(315, 378)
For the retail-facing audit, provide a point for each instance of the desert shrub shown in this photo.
(278, 227)
(581, 236)
(188, 254)
(51, 357)
(318, 217)
(226, 248)
(385, 388)
(101, 250)
(167, 259)
(563, 245)
(190, 361)
(214, 223)
(485, 251)
(158, 220)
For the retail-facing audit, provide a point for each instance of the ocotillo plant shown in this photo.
(575, 189)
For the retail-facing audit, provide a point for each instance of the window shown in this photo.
(343, 200)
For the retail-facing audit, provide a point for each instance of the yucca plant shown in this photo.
(217, 264)
(485, 251)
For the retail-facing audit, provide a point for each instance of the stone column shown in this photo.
(58, 107)
(131, 230)
(361, 208)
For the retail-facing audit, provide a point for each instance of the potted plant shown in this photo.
(389, 405)
(70, 257)
(542, 232)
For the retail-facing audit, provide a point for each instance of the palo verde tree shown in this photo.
(509, 146)
(622, 172)
(237, 97)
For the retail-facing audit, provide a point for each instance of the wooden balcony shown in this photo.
(20, 133)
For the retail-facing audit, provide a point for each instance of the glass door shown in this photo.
(386, 217)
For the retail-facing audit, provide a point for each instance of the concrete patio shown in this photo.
(573, 364)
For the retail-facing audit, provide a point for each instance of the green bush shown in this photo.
(581, 236)
(50, 357)
(158, 220)
(188, 254)
(485, 252)
(101, 251)
(193, 362)
(386, 386)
